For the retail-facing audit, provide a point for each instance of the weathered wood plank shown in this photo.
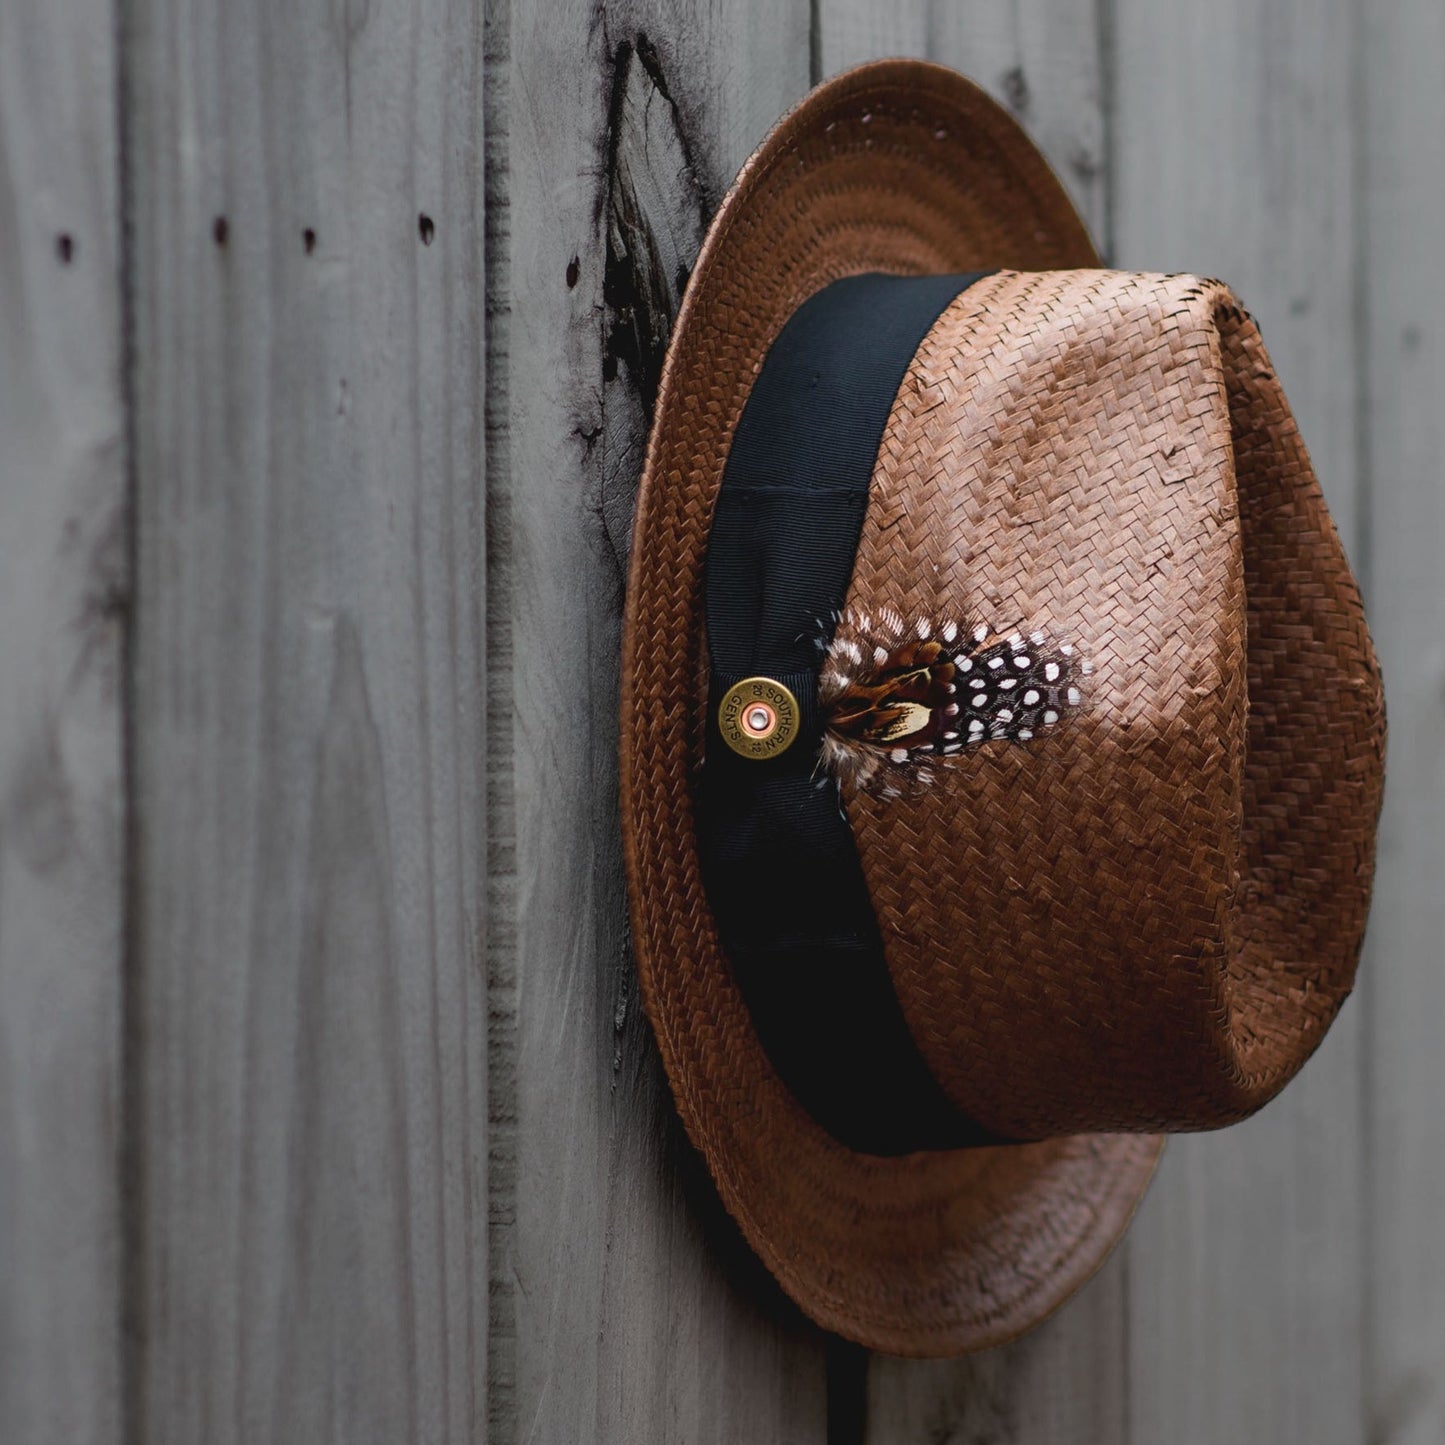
(615, 1316)
(306, 188)
(1402, 55)
(1067, 1382)
(63, 593)
(1233, 155)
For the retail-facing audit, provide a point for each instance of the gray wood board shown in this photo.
(1401, 53)
(63, 595)
(1068, 1382)
(621, 1309)
(307, 200)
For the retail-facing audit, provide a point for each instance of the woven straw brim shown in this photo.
(901, 167)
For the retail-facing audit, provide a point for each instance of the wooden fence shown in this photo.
(328, 330)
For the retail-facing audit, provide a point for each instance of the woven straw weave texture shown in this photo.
(1147, 917)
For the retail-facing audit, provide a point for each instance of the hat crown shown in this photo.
(1146, 916)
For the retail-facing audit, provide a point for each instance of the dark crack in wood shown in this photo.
(656, 213)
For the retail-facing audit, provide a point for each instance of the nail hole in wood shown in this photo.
(574, 270)
(427, 228)
(1016, 89)
(220, 230)
(308, 239)
(65, 248)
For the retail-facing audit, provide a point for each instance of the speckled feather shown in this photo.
(900, 695)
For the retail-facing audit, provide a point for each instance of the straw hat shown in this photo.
(1001, 737)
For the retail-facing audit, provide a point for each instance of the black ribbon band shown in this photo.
(779, 862)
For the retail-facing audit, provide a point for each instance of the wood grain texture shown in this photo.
(622, 1308)
(63, 584)
(306, 188)
(1068, 1382)
(1401, 51)
(1234, 156)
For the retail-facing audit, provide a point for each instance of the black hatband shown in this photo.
(779, 861)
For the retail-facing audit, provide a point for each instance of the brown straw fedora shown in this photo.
(1001, 737)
